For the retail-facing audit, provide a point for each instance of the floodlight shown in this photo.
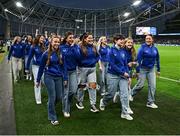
(6, 10)
(126, 14)
(136, 3)
(19, 4)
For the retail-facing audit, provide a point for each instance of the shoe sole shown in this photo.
(151, 107)
(67, 116)
(126, 118)
(102, 109)
(38, 103)
(94, 111)
(80, 108)
(130, 113)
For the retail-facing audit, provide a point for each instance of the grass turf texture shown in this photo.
(2, 55)
(32, 118)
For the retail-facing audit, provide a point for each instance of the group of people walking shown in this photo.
(67, 67)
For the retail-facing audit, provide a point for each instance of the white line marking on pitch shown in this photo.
(166, 78)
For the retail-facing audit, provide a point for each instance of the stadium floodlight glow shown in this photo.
(78, 20)
(6, 10)
(19, 4)
(126, 14)
(136, 3)
(129, 20)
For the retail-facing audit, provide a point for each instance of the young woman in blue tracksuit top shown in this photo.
(117, 77)
(17, 53)
(103, 50)
(131, 57)
(28, 44)
(36, 52)
(87, 71)
(71, 53)
(55, 76)
(148, 57)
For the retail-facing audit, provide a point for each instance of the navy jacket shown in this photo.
(54, 68)
(72, 54)
(90, 60)
(104, 53)
(27, 48)
(147, 57)
(35, 53)
(118, 61)
(17, 51)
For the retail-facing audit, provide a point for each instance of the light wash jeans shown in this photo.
(102, 77)
(151, 78)
(87, 75)
(16, 67)
(55, 93)
(71, 89)
(115, 83)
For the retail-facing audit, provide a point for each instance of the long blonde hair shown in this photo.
(50, 52)
(133, 51)
(99, 43)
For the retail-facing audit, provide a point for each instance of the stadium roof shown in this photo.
(82, 15)
(81, 4)
(89, 4)
(94, 4)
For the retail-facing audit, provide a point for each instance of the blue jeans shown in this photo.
(55, 93)
(92, 95)
(151, 77)
(71, 89)
(102, 77)
(115, 83)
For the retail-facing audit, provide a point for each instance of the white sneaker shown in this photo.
(126, 116)
(152, 105)
(115, 98)
(94, 109)
(30, 78)
(131, 98)
(101, 106)
(15, 81)
(66, 114)
(27, 77)
(130, 111)
(103, 93)
(54, 122)
(38, 103)
(79, 105)
(98, 87)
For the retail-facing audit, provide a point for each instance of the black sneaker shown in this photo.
(79, 105)
(94, 109)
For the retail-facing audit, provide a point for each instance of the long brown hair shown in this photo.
(84, 43)
(50, 52)
(36, 42)
(133, 50)
(66, 36)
